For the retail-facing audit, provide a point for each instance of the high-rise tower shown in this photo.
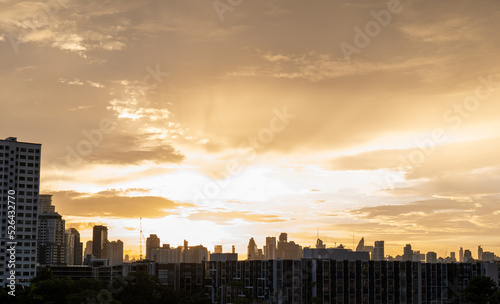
(19, 187)
(99, 239)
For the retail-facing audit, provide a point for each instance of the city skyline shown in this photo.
(216, 124)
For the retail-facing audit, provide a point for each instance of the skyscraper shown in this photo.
(19, 184)
(51, 239)
(461, 255)
(408, 253)
(378, 251)
(88, 248)
(480, 253)
(99, 238)
(152, 243)
(270, 248)
(253, 250)
(468, 256)
(73, 247)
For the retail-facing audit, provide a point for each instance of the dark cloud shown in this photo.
(110, 204)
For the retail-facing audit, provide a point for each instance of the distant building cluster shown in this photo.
(282, 271)
(283, 250)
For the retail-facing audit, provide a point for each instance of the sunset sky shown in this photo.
(225, 120)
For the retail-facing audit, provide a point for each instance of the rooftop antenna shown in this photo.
(317, 233)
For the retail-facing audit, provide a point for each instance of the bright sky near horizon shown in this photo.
(225, 120)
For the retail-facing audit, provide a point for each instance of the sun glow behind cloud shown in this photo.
(187, 94)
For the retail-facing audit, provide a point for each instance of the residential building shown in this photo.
(114, 252)
(19, 184)
(51, 239)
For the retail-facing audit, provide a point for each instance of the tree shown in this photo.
(481, 290)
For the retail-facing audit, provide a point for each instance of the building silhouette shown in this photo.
(378, 251)
(217, 248)
(468, 256)
(181, 254)
(152, 243)
(218, 255)
(363, 248)
(74, 248)
(194, 254)
(320, 244)
(19, 172)
(488, 257)
(408, 253)
(114, 252)
(339, 253)
(253, 252)
(166, 254)
(99, 239)
(270, 248)
(88, 248)
(288, 250)
(453, 256)
(431, 257)
(51, 234)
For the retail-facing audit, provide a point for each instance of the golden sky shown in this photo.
(225, 120)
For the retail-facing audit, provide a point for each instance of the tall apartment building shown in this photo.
(19, 173)
(51, 239)
(99, 239)
(114, 252)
